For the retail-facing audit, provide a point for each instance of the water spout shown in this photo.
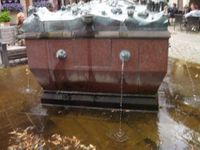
(120, 135)
(61, 54)
(125, 55)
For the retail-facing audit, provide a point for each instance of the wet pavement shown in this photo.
(175, 126)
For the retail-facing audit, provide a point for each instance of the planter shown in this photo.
(6, 23)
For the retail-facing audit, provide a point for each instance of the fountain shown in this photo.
(74, 54)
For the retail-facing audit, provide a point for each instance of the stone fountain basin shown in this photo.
(93, 64)
(76, 57)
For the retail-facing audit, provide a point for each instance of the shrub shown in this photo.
(5, 16)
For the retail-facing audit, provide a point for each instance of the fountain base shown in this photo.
(100, 100)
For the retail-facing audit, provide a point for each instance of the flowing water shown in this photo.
(28, 90)
(120, 135)
(175, 126)
(192, 82)
(121, 98)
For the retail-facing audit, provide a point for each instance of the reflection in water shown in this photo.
(185, 80)
(172, 133)
(174, 126)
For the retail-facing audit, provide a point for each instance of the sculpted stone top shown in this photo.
(95, 16)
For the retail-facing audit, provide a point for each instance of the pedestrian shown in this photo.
(186, 9)
(165, 10)
(162, 4)
(149, 5)
(155, 5)
(195, 12)
(172, 11)
(20, 21)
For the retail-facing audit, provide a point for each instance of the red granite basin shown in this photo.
(93, 64)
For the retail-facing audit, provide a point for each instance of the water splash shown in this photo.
(36, 111)
(193, 87)
(28, 89)
(192, 82)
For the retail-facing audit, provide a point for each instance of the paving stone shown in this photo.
(184, 45)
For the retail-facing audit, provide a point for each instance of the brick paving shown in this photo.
(184, 45)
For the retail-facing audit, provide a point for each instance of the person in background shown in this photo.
(20, 18)
(162, 5)
(166, 8)
(50, 6)
(172, 11)
(186, 9)
(195, 12)
(156, 5)
(20, 21)
(152, 5)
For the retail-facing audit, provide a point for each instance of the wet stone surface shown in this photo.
(175, 126)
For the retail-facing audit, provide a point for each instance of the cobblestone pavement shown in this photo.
(184, 45)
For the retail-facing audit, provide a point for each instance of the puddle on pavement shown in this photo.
(175, 126)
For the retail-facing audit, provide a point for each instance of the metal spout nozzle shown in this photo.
(125, 55)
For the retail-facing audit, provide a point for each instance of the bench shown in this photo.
(12, 55)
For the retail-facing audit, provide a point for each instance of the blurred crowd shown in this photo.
(170, 11)
(190, 10)
(156, 5)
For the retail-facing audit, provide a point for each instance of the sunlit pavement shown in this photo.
(184, 45)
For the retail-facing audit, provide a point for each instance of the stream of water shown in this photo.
(120, 135)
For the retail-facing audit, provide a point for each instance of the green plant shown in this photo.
(5, 16)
